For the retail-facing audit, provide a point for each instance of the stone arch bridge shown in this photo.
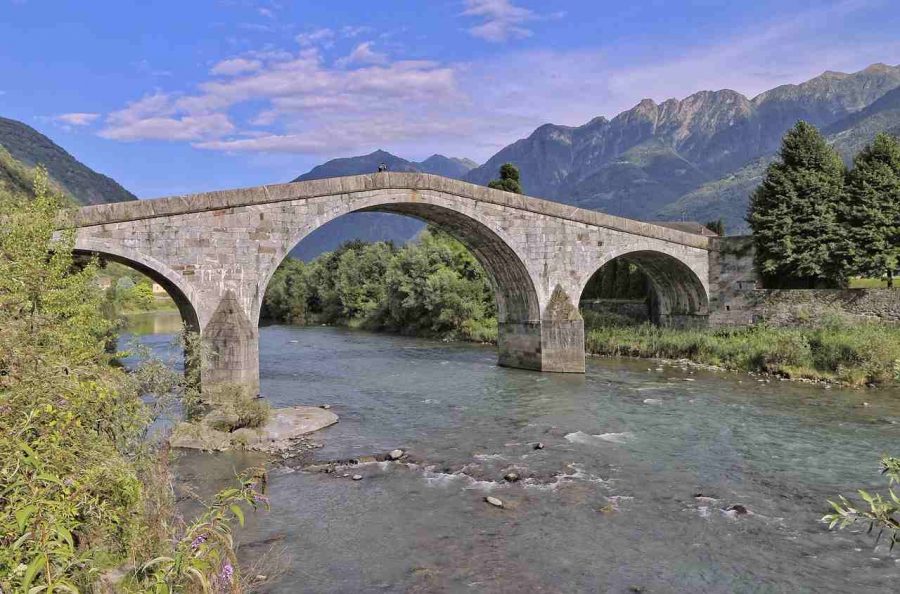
(215, 253)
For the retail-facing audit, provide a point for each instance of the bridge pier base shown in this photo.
(234, 347)
(555, 346)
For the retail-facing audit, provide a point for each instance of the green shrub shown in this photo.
(234, 408)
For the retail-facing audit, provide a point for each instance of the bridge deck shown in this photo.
(102, 214)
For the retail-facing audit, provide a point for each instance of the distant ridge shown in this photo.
(26, 147)
(372, 226)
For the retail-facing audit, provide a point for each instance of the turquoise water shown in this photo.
(624, 438)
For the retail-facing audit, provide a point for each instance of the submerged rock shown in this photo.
(357, 477)
(285, 425)
(511, 477)
(539, 446)
(395, 454)
(493, 501)
(738, 509)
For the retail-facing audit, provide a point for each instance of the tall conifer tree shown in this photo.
(793, 213)
(870, 213)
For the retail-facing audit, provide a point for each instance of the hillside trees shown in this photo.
(793, 213)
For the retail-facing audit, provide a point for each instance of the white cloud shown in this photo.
(364, 54)
(155, 117)
(502, 20)
(315, 36)
(76, 118)
(236, 66)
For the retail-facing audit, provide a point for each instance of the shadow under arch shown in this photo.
(518, 308)
(680, 298)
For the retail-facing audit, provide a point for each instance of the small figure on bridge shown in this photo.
(382, 167)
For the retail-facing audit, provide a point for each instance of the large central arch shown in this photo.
(518, 306)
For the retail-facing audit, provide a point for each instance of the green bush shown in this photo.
(80, 491)
(235, 408)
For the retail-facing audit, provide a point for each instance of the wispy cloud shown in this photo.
(501, 19)
(315, 36)
(363, 54)
(75, 118)
(157, 117)
(236, 66)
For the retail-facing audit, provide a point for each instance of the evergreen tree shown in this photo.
(717, 226)
(870, 213)
(793, 212)
(509, 179)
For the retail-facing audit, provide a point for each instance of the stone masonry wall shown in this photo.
(737, 296)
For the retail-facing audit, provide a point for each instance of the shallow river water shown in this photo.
(608, 505)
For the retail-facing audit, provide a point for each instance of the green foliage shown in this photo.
(793, 214)
(509, 179)
(203, 558)
(883, 513)
(870, 213)
(854, 354)
(78, 490)
(717, 226)
(815, 225)
(617, 279)
(235, 407)
(432, 287)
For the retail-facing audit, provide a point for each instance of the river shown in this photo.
(608, 505)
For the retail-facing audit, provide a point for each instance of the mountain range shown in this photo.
(696, 158)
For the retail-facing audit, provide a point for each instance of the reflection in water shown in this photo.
(611, 502)
(160, 322)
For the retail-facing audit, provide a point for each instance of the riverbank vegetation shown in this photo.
(85, 488)
(834, 349)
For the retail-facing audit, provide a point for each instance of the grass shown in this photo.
(871, 283)
(834, 350)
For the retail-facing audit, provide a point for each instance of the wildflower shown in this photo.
(197, 542)
(227, 572)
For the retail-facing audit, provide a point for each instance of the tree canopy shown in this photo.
(509, 179)
(793, 213)
(870, 213)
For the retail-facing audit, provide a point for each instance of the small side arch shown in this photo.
(680, 297)
(181, 293)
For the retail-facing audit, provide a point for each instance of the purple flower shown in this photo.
(227, 572)
(197, 542)
(259, 497)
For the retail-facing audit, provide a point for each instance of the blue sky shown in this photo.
(176, 97)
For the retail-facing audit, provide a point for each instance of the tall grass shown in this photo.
(834, 350)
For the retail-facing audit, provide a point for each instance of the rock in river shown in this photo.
(511, 477)
(493, 501)
(395, 454)
(283, 426)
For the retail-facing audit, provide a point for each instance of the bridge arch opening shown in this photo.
(178, 294)
(511, 285)
(649, 286)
